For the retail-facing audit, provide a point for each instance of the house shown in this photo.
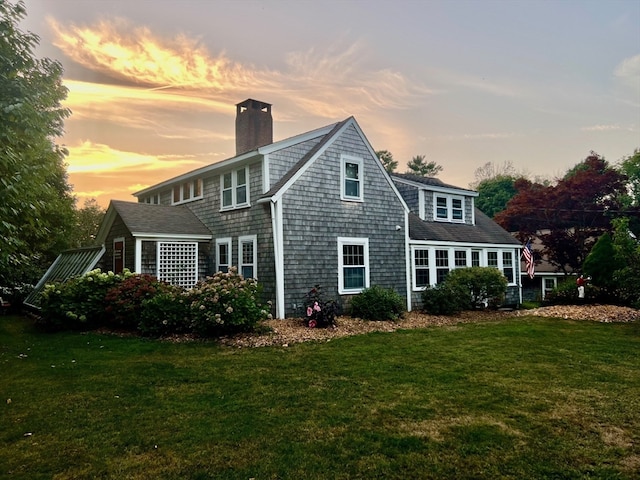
(446, 231)
(314, 209)
(547, 275)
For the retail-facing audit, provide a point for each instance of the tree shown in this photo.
(36, 206)
(88, 219)
(419, 166)
(570, 215)
(630, 166)
(386, 157)
(601, 263)
(490, 171)
(627, 254)
(494, 194)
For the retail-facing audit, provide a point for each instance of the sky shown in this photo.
(153, 84)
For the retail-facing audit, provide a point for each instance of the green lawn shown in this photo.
(519, 398)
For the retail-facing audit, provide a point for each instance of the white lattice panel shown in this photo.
(178, 263)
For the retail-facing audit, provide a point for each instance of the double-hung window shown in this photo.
(442, 265)
(234, 189)
(353, 264)
(223, 254)
(421, 267)
(247, 256)
(351, 177)
(449, 208)
(507, 266)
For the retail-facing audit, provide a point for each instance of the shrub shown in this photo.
(124, 300)
(165, 313)
(78, 303)
(443, 299)
(486, 286)
(318, 311)
(566, 293)
(225, 303)
(377, 303)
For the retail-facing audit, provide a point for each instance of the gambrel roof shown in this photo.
(485, 231)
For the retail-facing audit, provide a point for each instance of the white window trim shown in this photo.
(344, 159)
(253, 240)
(187, 196)
(223, 241)
(352, 241)
(449, 199)
(483, 253)
(234, 190)
(430, 254)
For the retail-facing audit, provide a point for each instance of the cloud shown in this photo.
(607, 128)
(333, 83)
(629, 70)
(89, 157)
(136, 55)
(481, 136)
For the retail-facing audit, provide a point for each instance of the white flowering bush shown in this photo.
(225, 303)
(80, 301)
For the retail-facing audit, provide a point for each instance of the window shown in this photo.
(154, 199)
(247, 254)
(507, 266)
(449, 208)
(475, 258)
(351, 178)
(353, 268)
(492, 259)
(460, 258)
(421, 268)
(187, 191)
(223, 254)
(178, 263)
(234, 189)
(442, 265)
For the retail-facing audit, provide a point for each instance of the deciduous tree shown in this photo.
(36, 206)
(570, 215)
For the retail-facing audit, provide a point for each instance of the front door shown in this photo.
(118, 255)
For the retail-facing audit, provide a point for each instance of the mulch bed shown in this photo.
(290, 331)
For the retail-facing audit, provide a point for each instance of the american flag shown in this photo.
(527, 253)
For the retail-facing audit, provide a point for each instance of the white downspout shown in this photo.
(407, 256)
(278, 251)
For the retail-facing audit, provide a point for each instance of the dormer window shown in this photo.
(187, 191)
(351, 177)
(449, 208)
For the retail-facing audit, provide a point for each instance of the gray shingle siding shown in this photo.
(281, 161)
(253, 220)
(314, 217)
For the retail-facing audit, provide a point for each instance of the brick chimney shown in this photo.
(254, 125)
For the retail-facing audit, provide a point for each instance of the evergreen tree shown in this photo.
(386, 157)
(419, 166)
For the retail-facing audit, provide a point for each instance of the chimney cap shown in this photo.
(254, 105)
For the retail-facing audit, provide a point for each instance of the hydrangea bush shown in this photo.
(225, 303)
(78, 303)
